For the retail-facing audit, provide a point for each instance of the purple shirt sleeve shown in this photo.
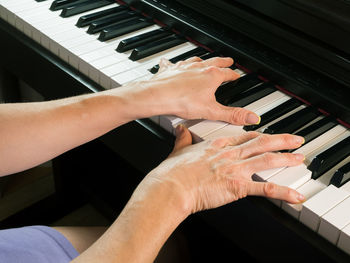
(35, 244)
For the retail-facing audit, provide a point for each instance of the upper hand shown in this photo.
(187, 90)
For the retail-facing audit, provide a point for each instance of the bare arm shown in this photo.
(32, 133)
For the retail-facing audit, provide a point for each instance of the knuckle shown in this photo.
(238, 116)
(180, 63)
(286, 139)
(240, 188)
(212, 70)
(196, 58)
(264, 139)
(252, 134)
(269, 159)
(270, 189)
(290, 193)
(240, 153)
(220, 142)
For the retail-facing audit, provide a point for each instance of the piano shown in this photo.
(294, 61)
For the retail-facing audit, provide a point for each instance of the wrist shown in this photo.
(148, 98)
(165, 197)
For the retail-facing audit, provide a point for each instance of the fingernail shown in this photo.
(253, 119)
(300, 140)
(299, 156)
(300, 197)
(179, 129)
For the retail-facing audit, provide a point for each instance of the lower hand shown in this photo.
(216, 172)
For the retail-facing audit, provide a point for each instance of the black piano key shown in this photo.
(40, 0)
(90, 18)
(275, 113)
(293, 122)
(252, 95)
(209, 55)
(112, 20)
(142, 39)
(60, 4)
(83, 7)
(124, 28)
(329, 158)
(156, 47)
(227, 91)
(199, 51)
(341, 176)
(317, 128)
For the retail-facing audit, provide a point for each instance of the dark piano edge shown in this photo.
(304, 79)
(49, 66)
(69, 74)
(320, 243)
(292, 43)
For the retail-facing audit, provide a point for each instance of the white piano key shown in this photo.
(25, 17)
(261, 129)
(334, 135)
(108, 56)
(295, 176)
(272, 105)
(205, 127)
(56, 25)
(292, 177)
(129, 76)
(240, 72)
(116, 68)
(265, 101)
(334, 220)
(96, 55)
(318, 205)
(344, 239)
(308, 189)
(16, 9)
(311, 188)
(227, 131)
(141, 67)
(169, 122)
(83, 51)
(260, 107)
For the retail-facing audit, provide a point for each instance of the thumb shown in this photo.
(236, 116)
(183, 138)
(164, 64)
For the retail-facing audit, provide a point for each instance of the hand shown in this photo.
(187, 89)
(213, 173)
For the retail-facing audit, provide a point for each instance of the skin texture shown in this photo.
(193, 178)
(33, 133)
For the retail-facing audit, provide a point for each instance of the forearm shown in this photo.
(32, 133)
(141, 229)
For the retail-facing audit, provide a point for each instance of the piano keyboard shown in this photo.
(114, 45)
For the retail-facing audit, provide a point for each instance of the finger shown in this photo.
(194, 59)
(234, 115)
(270, 160)
(183, 138)
(164, 64)
(236, 140)
(274, 191)
(221, 62)
(270, 143)
(229, 74)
